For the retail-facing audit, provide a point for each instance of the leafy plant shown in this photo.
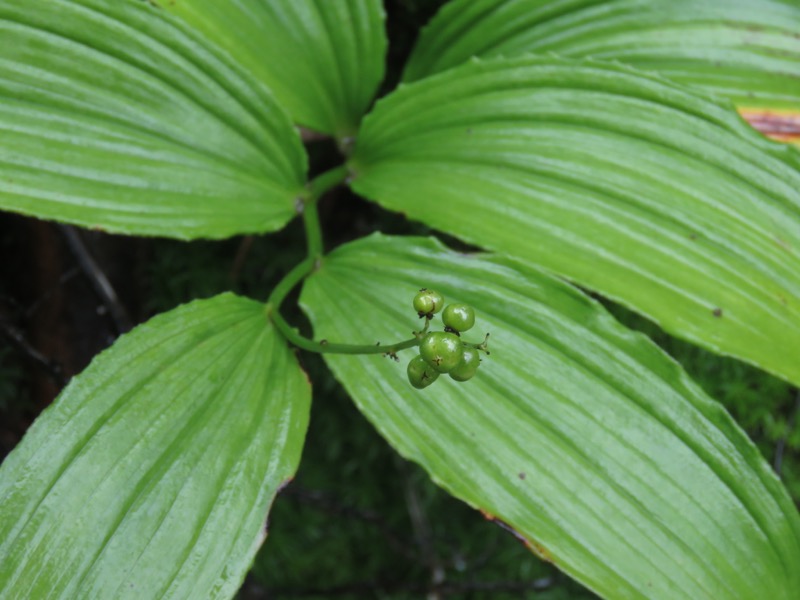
(153, 473)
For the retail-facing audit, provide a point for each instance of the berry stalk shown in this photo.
(307, 206)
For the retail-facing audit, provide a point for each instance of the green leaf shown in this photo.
(152, 474)
(624, 183)
(323, 60)
(582, 436)
(114, 116)
(745, 50)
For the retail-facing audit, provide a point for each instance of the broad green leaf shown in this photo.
(323, 60)
(745, 50)
(152, 474)
(114, 116)
(624, 183)
(582, 436)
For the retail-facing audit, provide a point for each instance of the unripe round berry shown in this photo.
(428, 302)
(420, 373)
(442, 351)
(458, 317)
(466, 369)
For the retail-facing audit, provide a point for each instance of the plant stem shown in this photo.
(324, 347)
(316, 189)
(327, 180)
(285, 286)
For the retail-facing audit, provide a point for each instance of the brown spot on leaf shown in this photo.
(717, 312)
(539, 551)
(522, 475)
(511, 530)
(780, 125)
(531, 545)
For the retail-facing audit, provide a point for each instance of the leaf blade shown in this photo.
(152, 474)
(115, 117)
(747, 52)
(580, 435)
(621, 182)
(326, 58)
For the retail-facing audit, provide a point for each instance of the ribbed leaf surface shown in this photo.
(579, 434)
(622, 182)
(116, 117)
(746, 50)
(152, 474)
(323, 60)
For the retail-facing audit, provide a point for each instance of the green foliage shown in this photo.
(626, 184)
(326, 59)
(360, 522)
(116, 119)
(152, 474)
(665, 445)
(766, 407)
(746, 51)
(330, 526)
(198, 414)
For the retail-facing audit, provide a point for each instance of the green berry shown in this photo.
(428, 302)
(466, 369)
(442, 351)
(458, 317)
(420, 373)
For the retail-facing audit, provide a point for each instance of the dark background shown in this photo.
(358, 521)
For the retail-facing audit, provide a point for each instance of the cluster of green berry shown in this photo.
(444, 351)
